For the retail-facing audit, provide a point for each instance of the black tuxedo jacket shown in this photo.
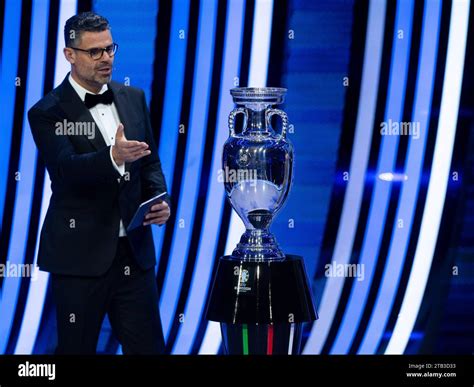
(89, 197)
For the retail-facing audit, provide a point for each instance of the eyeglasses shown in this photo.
(96, 53)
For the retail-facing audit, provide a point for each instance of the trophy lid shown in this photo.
(264, 95)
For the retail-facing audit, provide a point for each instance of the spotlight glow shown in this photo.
(390, 176)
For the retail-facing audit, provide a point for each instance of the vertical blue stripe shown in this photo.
(38, 289)
(36, 68)
(169, 134)
(172, 102)
(192, 172)
(413, 169)
(215, 198)
(27, 168)
(381, 195)
(360, 155)
(10, 52)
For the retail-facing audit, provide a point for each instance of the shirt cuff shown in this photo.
(121, 168)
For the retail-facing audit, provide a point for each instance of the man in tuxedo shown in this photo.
(96, 140)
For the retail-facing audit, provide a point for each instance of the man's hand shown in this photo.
(158, 214)
(127, 151)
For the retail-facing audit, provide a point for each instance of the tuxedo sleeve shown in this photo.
(61, 160)
(153, 180)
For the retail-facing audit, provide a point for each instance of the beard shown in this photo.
(103, 74)
(102, 79)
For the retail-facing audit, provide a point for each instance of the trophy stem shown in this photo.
(258, 245)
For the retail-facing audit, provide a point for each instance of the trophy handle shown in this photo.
(232, 116)
(284, 120)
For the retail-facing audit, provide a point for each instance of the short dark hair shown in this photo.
(85, 21)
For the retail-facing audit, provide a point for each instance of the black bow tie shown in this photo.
(93, 99)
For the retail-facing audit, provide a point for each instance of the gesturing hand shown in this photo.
(128, 151)
(158, 214)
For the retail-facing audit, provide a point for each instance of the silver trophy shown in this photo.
(258, 287)
(258, 164)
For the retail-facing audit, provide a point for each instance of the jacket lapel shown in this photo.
(76, 111)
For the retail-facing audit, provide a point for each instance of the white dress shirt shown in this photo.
(107, 119)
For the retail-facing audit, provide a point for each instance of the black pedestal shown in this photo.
(261, 305)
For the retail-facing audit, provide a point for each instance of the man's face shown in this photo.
(90, 72)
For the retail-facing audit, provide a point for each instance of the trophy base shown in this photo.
(257, 245)
(261, 305)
